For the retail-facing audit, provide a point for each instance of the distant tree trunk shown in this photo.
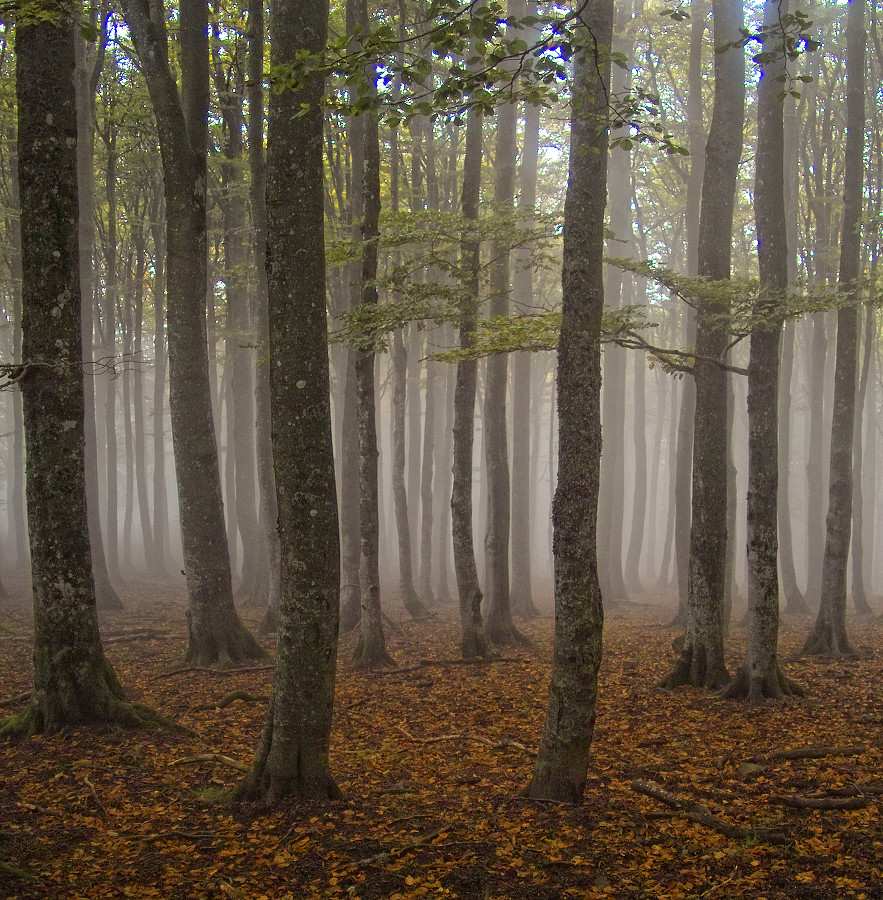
(258, 197)
(760, 676)
(73, 681)
(444, 468)
(563, 758)
(639, 443)
(702, 659)
(499, 627)
(828, 636)
(86, 82)
(371, 649)
(216, 634)
(474, 640)
(292, 757)
(521, 591)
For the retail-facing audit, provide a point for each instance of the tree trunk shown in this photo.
(292, 756)
(828, 636)
(639, 443)
(563, 759)
(473, 641)
(760, 676)
(73, 681)
(499, 627)
(702, 659)
(444, 468)
(216, 634)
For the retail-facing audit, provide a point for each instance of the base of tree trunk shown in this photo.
(253, 592)
(107, 599)
(270, 622)
(235, 644)
(679, 620)
(775, 685)
(371, 654)
(523, 605)
(443, 596)
(98, 699)
(796, 605)
(827, 641)
(500, 631)
(474, 644)
(350, 609)
(696, 669)
(414, 606)
(555, 787)
(862, 607)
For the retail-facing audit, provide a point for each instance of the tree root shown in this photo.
(211, 757)
(17, 700)
(774, 686)
(810, 753)
(694, 668)
(203, 670)
(465, 737)
(101, 807)
(231, 698)
(699, 814)
(445, 663)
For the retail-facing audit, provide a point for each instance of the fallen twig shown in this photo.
(465, 736)
(211, 757)
(444, 663)
(231, 698)
(17, 699)
(824, 802)
(699, 814)
(218, 673)
(810, 753)
(94, 793)
(387, 855)
(145, 634)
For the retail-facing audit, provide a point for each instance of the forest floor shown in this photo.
(430, 759)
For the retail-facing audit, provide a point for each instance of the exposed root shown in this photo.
(231, 698)
(233, 645)
(810, 753)
(775, 685)
(371, 654)
(466, 738)
(694, 668)
(415, 607)
(825, 802)
(211, 757)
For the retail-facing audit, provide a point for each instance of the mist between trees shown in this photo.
(411, 179)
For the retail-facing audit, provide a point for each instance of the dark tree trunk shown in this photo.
(499, 627)
(371, 649)
(73, 681)
(760, 677)
(702, 659)
(473, 638)
(292, 756)
(263, 415)
(216, 634)
(563, 759)
(828, 636)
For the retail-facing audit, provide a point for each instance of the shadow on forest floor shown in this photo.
(430, 758)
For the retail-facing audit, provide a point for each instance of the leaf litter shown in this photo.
(430, 758)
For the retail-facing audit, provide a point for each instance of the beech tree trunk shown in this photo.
(702, 659)
(473, 641)
(216, 634)
(760, 676)
(828, 636)
(73, 681)
(563, 758)
(292, 756)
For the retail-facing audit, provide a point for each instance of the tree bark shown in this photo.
(73, 681)
(216, 634)
(702, 659)
(563, 758)
(292, 756)
(828, 636)
(473, 641)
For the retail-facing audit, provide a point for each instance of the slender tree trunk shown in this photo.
(473, 638)
(292, 755)
(702, 659)
(829, 636)
(639, 479)
(73, 681)
(563, 758)
(216, 634)
(444, 468)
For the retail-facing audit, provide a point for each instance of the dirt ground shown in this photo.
(430, 759)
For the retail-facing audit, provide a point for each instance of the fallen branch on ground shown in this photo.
(218, 673)
(145, 634)
(388, 855)
(699, 814)
(445, 663)
(824, 802)
(231, 698)
(211, 757)
(464, 737)
(94, 793)
(810, 753)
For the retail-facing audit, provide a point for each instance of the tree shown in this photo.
(760, 675)
(828, 635)
(563, 759)
(292, 756)
(217, 636)
(73, 681)
(701, 662)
